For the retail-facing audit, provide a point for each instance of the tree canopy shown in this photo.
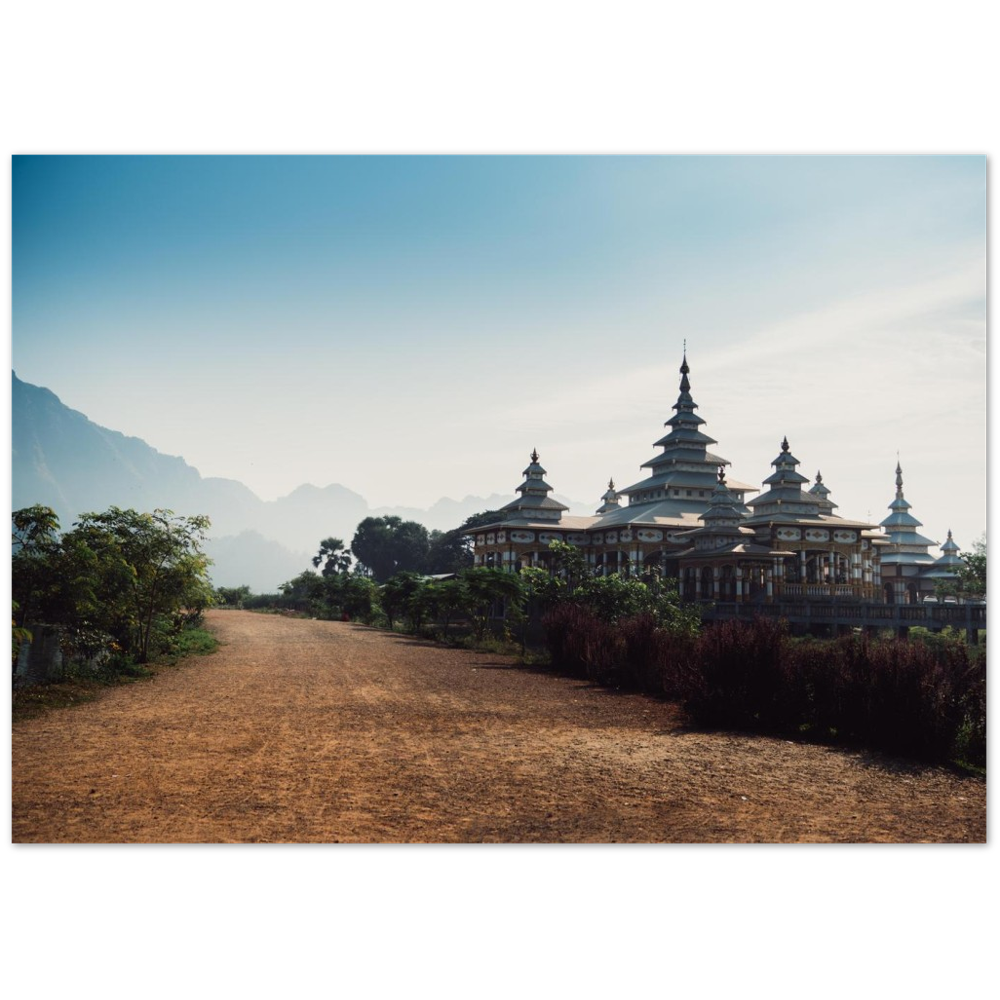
(333, 557)
(972, 577)
(389, 545)
(118, 581)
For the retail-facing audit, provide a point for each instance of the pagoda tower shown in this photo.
(822, 494)
(948, 566)
(610, 499)
(785, 496)
(904, 553)
(534, 503)
(819, 555)
(685, 470)
(726, 561)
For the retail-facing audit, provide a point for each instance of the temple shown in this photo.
(910, 574)
(690, 521)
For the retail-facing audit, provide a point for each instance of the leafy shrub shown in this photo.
(921, 699)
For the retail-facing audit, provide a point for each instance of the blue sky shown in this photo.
(412, 326)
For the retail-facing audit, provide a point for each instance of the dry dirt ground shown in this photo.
(305, 731)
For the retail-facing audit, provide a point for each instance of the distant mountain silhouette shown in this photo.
(62, 459)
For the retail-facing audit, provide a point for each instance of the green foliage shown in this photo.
(491, 591)
(191, 642)
(390, 545)
(569, 563)
(451, 551)
(972, 577)
(232, 597)
(542, 591)
(150, 566)
(356, 596)
(121, 582)
(34, 551)
(448, 552)
(613, 598)
(401, 596)
(333, 557)
(444, 600)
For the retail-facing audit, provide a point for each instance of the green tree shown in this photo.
(972, 576)
(491, 591)
(400, 596)
(568, 562)
(390, 545)
(232, 597)
(34, 552)
(449, 598)
(304, 593)
(145, 568)
(451, 551)
(333, 557)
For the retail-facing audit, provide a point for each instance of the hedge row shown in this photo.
(919, 699)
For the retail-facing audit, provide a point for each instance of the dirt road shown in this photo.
(301, 731)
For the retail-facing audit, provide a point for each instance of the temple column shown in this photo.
(716, 575)
(739, 584)
(769, 584)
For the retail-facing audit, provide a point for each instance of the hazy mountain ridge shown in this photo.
(64, 460)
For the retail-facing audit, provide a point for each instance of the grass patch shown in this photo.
(190, 642)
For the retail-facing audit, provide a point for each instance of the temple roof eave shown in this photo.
(537, 503)
(676, 480)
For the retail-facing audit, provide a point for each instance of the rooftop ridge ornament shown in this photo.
(784, 443)
(534, 455)
(899, 478)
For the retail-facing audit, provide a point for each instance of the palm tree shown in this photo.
(334, 558)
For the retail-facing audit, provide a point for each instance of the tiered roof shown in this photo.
(684, 463)
(822, 494)
(610, 499)
(534, 502)
(905, 544)
(785, 496)
(948, 566)
(723, 532)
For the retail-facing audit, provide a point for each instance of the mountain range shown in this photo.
(65, 461)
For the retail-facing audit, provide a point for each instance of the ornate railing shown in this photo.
(970, 616)
(820, 590)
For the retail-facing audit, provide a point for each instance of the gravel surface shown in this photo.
(308, 731)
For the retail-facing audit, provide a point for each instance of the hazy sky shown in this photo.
(412, 327)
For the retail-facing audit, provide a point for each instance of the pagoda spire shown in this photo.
(822, 493)
(785, 488)
(723, 515)
(610, 499)
(534, 500)
(900, 505)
